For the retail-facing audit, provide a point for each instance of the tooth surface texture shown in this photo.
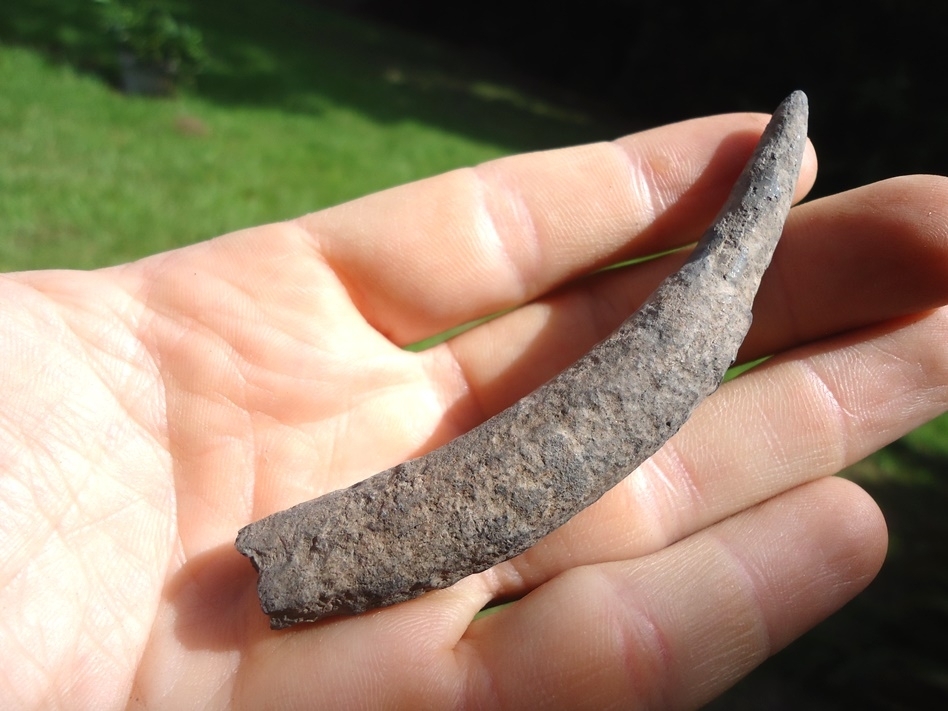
(495, 491)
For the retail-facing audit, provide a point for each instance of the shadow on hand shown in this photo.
(214, 595)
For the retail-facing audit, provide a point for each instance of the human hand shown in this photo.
(151, 410)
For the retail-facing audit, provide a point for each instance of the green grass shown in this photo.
(300, 109)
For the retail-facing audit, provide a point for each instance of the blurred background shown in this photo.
(128, 128)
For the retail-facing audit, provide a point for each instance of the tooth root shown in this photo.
(496, 490)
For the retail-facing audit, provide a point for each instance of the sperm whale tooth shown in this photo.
(495, 491)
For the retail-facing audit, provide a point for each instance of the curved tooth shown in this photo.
(496, 490)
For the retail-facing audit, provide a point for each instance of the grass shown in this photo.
(300, 109)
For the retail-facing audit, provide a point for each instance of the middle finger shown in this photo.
(844, 262)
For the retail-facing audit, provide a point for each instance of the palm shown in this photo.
(153, 409)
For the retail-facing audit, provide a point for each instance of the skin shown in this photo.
(152, 409)
(496, 490)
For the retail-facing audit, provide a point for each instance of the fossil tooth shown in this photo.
(495, 491)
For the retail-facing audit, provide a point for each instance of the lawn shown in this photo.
(300, 109)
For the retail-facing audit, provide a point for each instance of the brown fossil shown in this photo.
(496, 490)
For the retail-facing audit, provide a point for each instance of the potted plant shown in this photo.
(155, 51)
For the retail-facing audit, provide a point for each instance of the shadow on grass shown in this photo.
(297, 58)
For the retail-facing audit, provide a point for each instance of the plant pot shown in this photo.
(139, 78)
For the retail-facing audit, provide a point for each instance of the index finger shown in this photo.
(423, 257)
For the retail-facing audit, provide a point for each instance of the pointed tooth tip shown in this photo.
(797, 99)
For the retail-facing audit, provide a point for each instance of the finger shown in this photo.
(423, 257)
(804, 415)
(679, 627)
(844, 262)
(400, 657)
(865, 256)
